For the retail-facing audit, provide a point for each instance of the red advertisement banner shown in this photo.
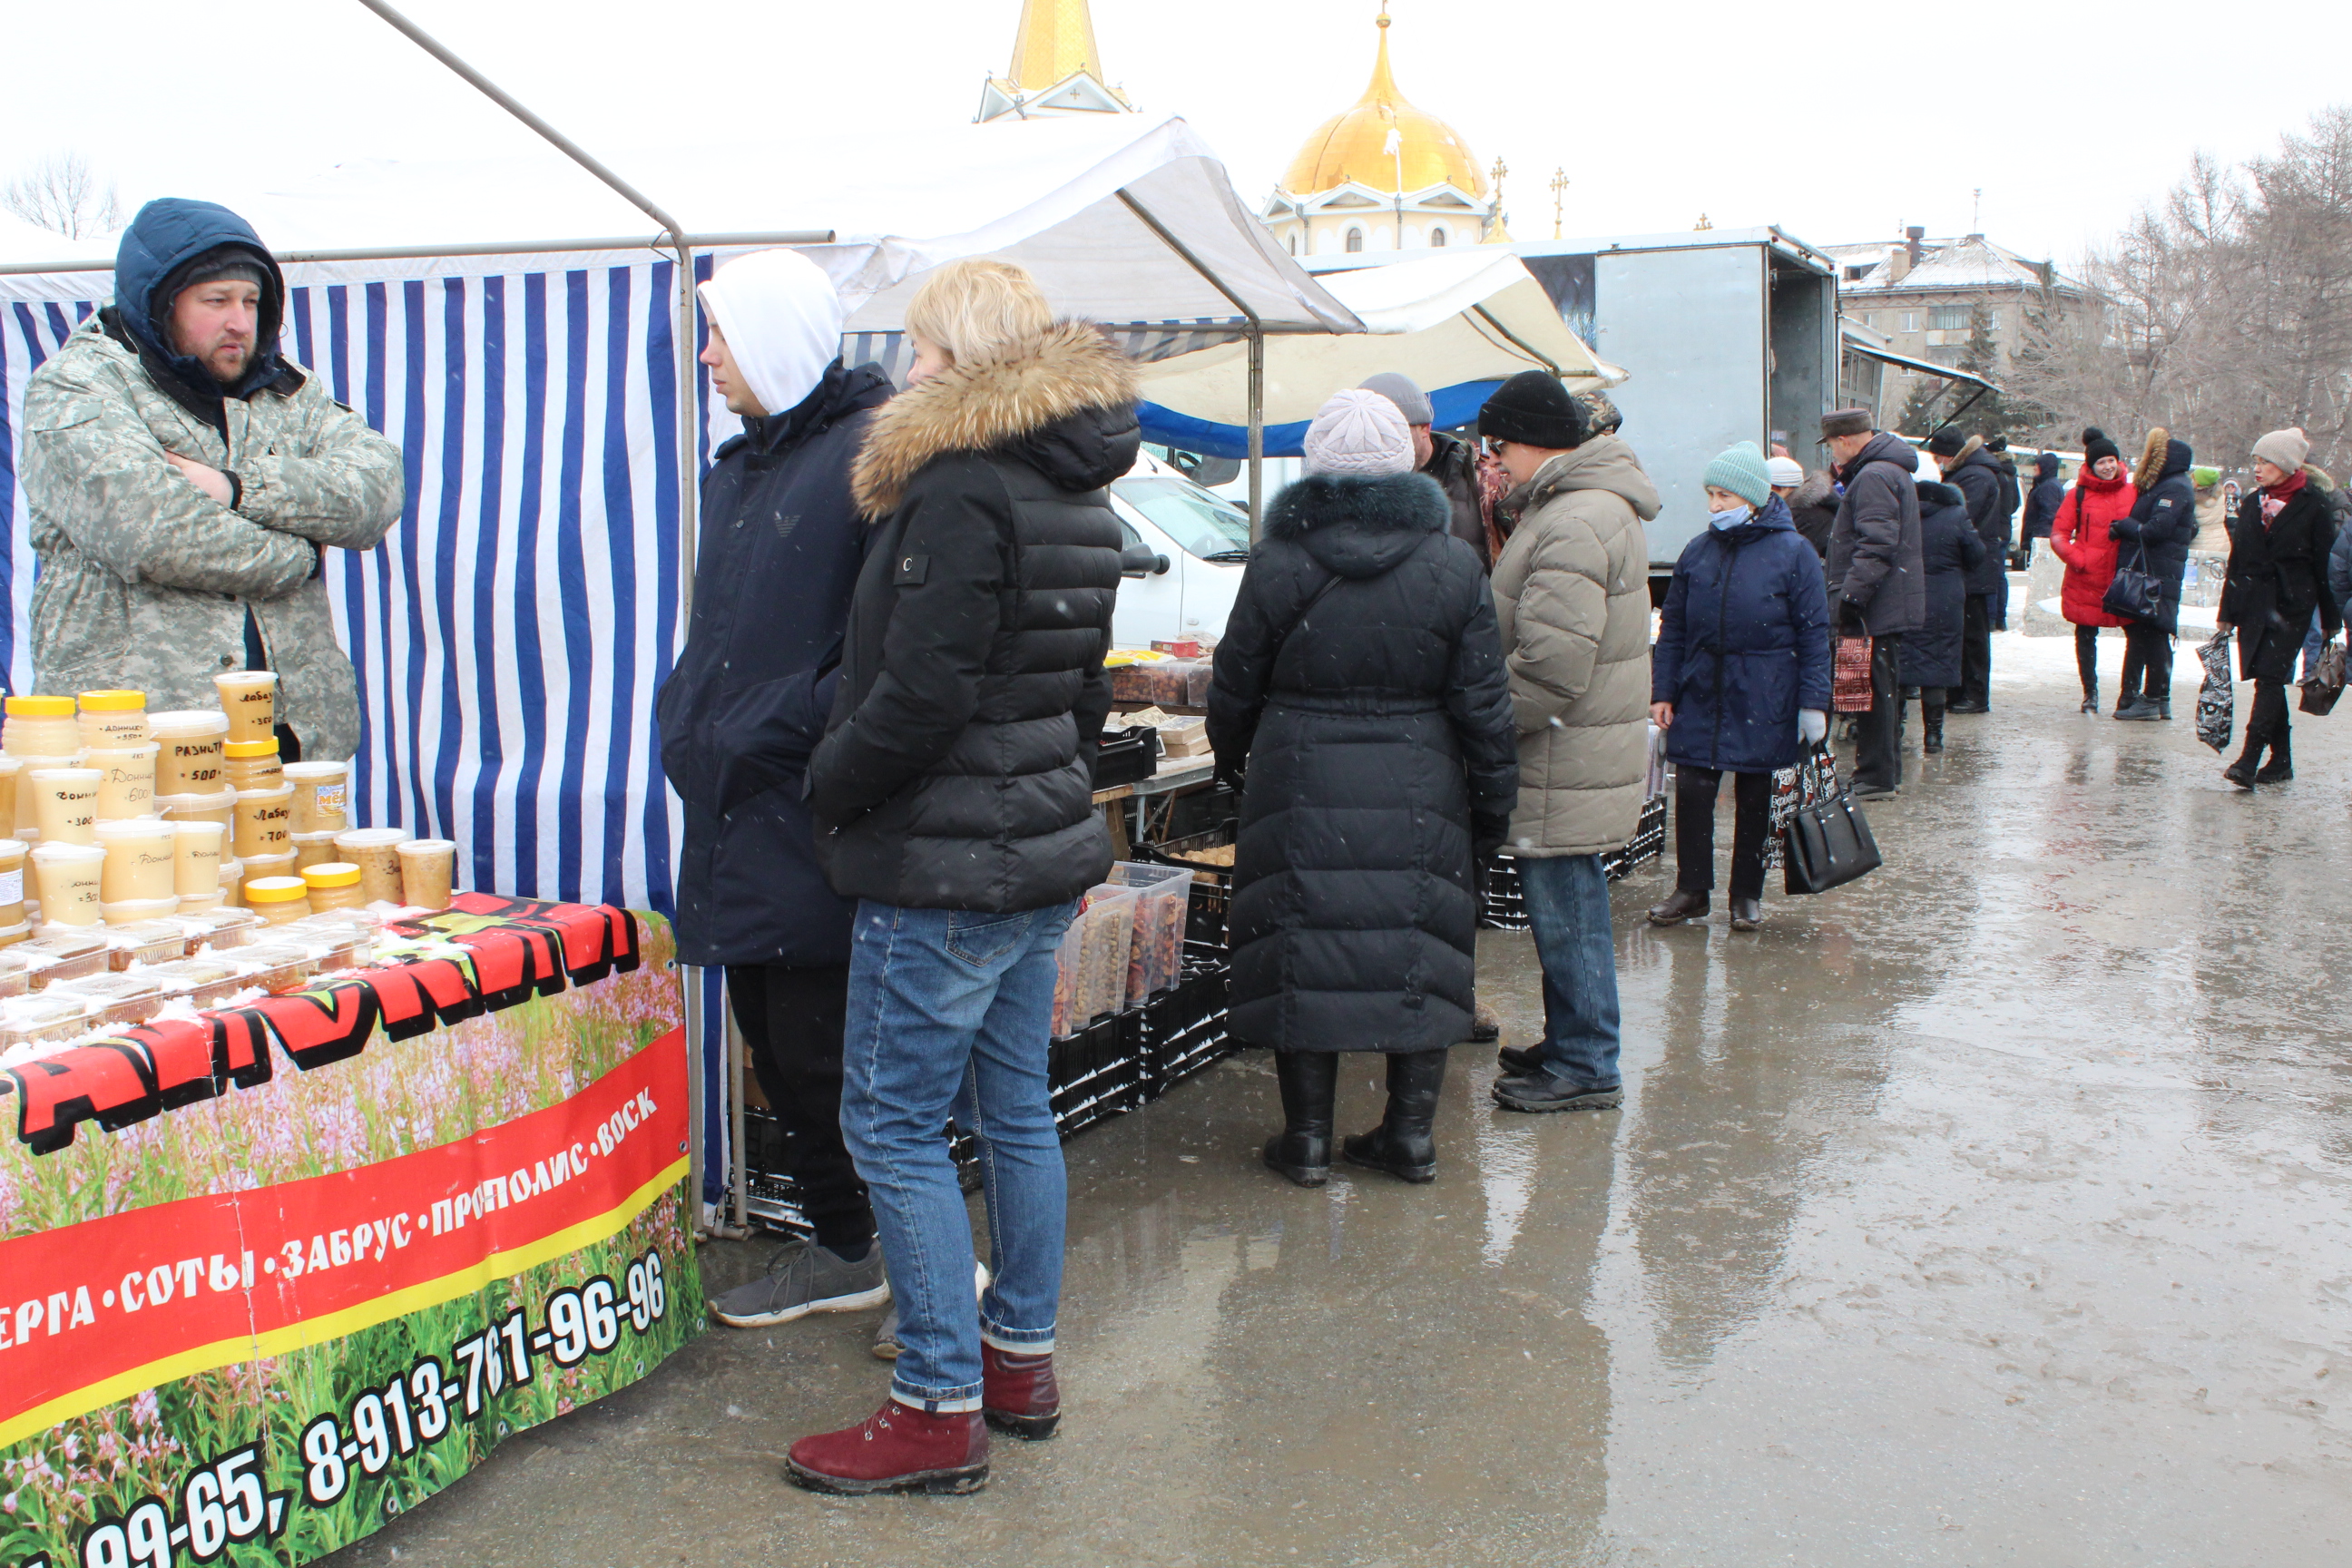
(92, 1312)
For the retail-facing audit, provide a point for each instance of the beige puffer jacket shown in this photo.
(1572, 595)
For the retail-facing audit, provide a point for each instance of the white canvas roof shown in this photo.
(1478, 315)
(1060, 196)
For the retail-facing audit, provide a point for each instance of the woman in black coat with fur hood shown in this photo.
(1361, 682)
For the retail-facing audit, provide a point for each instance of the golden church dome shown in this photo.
(1352, 148)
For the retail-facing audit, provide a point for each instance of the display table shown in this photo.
(277, 1272)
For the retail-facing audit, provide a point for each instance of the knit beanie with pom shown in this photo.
(2097, 445)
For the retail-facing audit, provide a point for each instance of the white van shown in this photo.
(1185, 548)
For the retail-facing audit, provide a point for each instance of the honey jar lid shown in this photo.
(40, 708)
(114, 702)
(333, 874)
(251, 748)
(276, 890)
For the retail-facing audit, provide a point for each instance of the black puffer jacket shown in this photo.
(2277, 578)
(782, 544)
(2163, 524)
(1978, 478)
(1873, 562)
(956, 772)
(2049, 489)
(1949, 549)
(1374, 719)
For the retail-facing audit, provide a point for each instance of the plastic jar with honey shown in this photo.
(277, 899)
(114, 718)
(188, 760)
(334, 886)
(252, 764)
(40, 727)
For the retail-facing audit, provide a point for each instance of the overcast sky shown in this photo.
(1838, 123)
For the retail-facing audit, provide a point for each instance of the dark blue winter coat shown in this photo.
(782, 545)
(1743, 644)
(1979, 479)
(2163, 520)
(1951, 549)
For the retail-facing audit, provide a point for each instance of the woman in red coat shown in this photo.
(2103, 493)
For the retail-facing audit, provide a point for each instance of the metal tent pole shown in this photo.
(1256, 431)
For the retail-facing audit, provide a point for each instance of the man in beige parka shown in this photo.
(1573, 600)
(184, 481)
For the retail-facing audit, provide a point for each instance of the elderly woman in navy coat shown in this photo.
(1740, 679)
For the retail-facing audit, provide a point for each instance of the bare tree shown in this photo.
(2226, 310)
(63, 195)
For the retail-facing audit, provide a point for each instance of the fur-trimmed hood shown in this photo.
(1358, 525)
(2152, 465)
(1067, 407)
(1818, 489)
(1936, 492)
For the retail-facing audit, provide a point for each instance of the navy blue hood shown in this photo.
(168, 233)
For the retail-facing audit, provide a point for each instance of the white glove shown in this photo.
(1812, 726)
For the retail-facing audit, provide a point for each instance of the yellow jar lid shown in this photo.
(275, 889)
(250, 748)
(40, 706)
(114, 702)
(332, 874)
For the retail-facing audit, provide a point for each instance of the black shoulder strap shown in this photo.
(1331, 581)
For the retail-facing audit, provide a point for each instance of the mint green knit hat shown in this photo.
(1740, 470)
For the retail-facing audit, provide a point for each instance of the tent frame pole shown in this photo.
(1257, 333)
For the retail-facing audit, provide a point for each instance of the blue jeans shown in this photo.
(2314, 643)
(1568, 905)
(948, 1016)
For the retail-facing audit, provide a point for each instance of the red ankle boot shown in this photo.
(899, 1449)
(1020, 1396)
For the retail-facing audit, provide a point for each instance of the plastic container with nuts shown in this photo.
(25, 1020)
(65, 953)
(114, 998)
(201, 982)
(149, 942)
(274, 967)
(220, 930)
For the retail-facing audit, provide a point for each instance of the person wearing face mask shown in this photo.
(2083, 536)
(2279, 544)
(1740, 678)
(781, 545)
(184, 480)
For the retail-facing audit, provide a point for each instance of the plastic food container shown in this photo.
(203, 982)
(321, 792)
(252, 764)
(265, 866)
(28, 820)
(333, 939)
(113, 719)
(11, 770)
(428, 869)
(139, 854)
(26, 1020)
(68, 876)
(151, 940)
(376, 852)
(113, 998)
(248, 700)
(232, 883)
(16, 975)
(219, 929)
(40, 727)
(314, 849)
(219, 807)
(12, 854)
(189, 759)
(274, 967)
(264, 821)
(62, 953)
(197, 858)
(333, 886)
(126, 780)
(279, 900)
(11, 935)
(1163, 898)
(65, 803)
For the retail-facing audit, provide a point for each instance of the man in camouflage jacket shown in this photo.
(184, 482)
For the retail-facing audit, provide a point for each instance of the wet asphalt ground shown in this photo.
(1991, 1211)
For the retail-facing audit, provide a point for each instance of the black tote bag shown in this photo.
(2134, 595)
(1828, 844)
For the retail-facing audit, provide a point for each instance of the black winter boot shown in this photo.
(2281, 767)
(1401, 1144)
(1931, 732)
(1303, 1150)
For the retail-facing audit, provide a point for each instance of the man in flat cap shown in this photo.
(1878, 587)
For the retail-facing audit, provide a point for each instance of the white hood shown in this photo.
(781, 318)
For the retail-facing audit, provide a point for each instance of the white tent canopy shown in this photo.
(1073, 200)
(1450, 319)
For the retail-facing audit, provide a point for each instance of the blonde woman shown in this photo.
(954, 801)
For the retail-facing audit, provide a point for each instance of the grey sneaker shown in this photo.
(886, 1338)
(803, 1277)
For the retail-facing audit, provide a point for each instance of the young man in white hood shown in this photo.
(780, 548)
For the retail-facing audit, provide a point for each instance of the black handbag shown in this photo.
(2134, 595)
(1828, 844)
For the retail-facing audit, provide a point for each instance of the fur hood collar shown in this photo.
(1030, 405)
(1360, 525)
(2151, 458)
(1817, 490)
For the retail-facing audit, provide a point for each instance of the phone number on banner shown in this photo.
(223, 1502)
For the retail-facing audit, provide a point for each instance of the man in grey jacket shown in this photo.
(1878, 586)
(184, 480)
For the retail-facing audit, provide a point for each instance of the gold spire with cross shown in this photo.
(1056, 41)
(1558, 199)
(1496, 233)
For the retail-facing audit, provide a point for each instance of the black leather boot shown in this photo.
(2281, 767)
(1931, 732)
(1303, 1150)
(1401, 1144)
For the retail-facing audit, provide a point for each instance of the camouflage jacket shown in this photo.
(145, 581)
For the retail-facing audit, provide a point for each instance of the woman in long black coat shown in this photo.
(1950, 550)
(1360, 684)
(2279, 543)
(2155, 538)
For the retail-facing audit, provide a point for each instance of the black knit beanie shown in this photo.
(1534, 409)
(2095, 445)
(1947, 442)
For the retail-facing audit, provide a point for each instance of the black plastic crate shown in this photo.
(1097, 1072)
(1184, 1030)
(1504, 906)
(1125, 756)
(773, 1198)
